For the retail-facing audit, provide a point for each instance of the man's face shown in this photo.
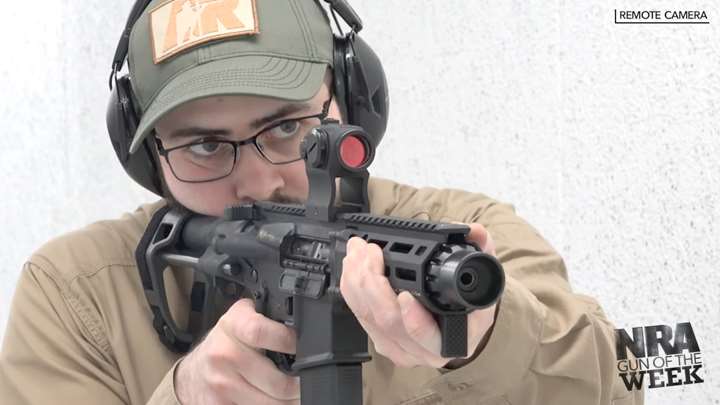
(253, 177)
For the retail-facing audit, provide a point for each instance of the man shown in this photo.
(224, 91)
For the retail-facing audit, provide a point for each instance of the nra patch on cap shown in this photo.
(180, 24)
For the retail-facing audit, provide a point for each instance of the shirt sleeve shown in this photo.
(46, 352)
(548, 344)
(53, 350)
(165, 392)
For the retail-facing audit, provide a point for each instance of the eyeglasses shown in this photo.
(210, 159)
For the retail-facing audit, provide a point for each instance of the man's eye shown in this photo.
(205, 149)
(286, 129)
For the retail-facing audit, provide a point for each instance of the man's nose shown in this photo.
(254, 177)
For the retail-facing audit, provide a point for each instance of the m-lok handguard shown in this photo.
(288, 258)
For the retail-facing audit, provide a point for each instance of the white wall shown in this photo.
(604, 137)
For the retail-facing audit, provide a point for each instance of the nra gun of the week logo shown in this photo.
(677, 364)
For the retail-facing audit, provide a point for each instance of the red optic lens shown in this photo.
(353, 152)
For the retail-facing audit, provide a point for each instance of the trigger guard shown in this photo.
(283, 361)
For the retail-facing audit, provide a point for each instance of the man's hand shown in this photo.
(399, 326)
(228, 367)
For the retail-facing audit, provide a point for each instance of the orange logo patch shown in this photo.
(180, 24)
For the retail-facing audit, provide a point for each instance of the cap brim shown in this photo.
(286, 79)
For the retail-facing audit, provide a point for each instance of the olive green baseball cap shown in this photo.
(184, 50)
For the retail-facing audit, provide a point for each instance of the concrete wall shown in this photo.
(604, 137)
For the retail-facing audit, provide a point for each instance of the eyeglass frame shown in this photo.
(236, 144)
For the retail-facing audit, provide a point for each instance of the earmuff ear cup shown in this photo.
(117, 122)
(360, 83)
(340, 83)
(122, 121)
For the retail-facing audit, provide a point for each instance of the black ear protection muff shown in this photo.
(359, 84)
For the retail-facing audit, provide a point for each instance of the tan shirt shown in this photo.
(80, 329)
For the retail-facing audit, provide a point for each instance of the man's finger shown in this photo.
(242, 323)
(385, 346)
(480, 236)
(419, 323)
(266, 377)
